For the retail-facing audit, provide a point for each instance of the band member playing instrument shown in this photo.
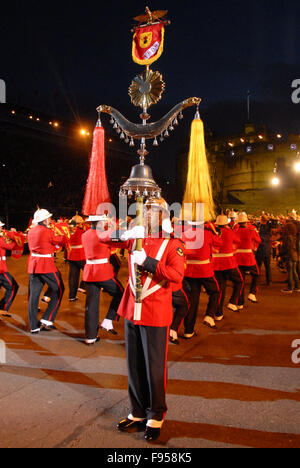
(42, 244)
(76, 257)
(248, 241)
(99, 274)
(6, 279)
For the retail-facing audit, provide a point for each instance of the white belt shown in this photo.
(100, 261)
(222, 255)
(244, 251)
(3, 259)
(77, 247)
(198, 262)
(41, 256)
(148, 292)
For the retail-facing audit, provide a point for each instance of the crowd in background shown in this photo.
(280, 237)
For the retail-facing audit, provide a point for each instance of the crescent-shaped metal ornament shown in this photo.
(150, 130)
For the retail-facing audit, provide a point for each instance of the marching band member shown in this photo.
(162, 263)
(98, 274)
(115, 261)
(248, 239)
(181, 300)
(233, 219)
(225, 266)
(200, 272)
(75, 257)
(6, 279)
(42, 244)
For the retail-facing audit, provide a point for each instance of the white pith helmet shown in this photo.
(242, 218)
(222, 220)
(41, 215)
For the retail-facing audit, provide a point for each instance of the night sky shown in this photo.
(69, 57)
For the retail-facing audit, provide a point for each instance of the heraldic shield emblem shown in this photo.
(145, 40)
(148, 43)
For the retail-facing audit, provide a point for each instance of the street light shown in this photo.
(275, 181)
(297, 166)
(297, 163)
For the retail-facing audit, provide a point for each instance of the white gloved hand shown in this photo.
(138, 232)
(139, 257)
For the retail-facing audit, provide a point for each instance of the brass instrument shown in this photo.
(6, 237)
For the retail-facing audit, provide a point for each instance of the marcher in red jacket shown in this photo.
(41, 268)
(75, 257)
(200, 272)
(147, 334)
(6, 279)
(226, 267)
(99, 274)
(248, 241)
(181, 301)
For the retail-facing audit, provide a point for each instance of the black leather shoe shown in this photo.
(47, 328)
(112, 331)
(128, 425)
(174, 341)
(151, 434)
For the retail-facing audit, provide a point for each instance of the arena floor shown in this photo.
(238, 386)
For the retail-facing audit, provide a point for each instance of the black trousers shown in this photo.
(36, 283)
(254, 272)
(266, 260)
(11, 286)
(75, 268)
(211, 286)
(116, 263)
(115, 289)
(234, 275)
(146, 349)
(181, 301)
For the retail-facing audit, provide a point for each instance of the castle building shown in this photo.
(256, 171)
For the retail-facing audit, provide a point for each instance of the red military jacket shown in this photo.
(97, 254)
(199, 257)
(42, 244)
(3, 248)
(157, 310)
(76, 253)
(248, 239)
(225, 258)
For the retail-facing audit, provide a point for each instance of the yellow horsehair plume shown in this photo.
(198, 186)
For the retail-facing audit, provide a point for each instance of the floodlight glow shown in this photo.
(275, 181)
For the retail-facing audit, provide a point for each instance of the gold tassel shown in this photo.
(198, 187)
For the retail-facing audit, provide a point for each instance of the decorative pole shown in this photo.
(145, 90)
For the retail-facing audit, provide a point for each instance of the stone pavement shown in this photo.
(234, 387)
